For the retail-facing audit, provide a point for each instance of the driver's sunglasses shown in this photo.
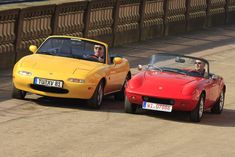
(198, 63)
(98, 47)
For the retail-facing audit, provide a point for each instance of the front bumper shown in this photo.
(183, 103)
(69, 90)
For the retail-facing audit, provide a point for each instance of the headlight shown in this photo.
(25, 73)
(76, 80)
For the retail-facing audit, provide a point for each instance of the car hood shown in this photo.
(56, 64)
(163, 84)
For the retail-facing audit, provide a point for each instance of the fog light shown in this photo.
(133, 97)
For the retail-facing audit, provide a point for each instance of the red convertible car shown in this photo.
(176, 82)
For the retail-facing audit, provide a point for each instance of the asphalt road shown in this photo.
(41, 127)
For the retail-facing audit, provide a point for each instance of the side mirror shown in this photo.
(33, 48)
(117, 60)
(214, 77)
(140, 67)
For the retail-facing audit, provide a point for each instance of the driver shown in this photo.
(200, 67)
(98, 52)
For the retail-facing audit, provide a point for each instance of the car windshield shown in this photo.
(178, 64)
(72, 48)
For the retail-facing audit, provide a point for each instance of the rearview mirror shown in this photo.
(179, 60)
(33, 48)
(117, 60)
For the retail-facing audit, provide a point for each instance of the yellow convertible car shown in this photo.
(71, 67)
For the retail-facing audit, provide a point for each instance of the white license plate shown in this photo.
(48, 83)
(157, 107)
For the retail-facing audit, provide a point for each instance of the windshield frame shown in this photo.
(81, 39)
(173, 55)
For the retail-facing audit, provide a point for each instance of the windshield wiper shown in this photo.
(46, 52)
(77, 56)
(174, 71)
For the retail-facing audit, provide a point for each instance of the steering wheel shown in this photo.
(93, 57)
(194, 73)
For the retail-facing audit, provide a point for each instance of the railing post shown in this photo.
(208, 13)
(87, 19)
(142, 14)
(188, 2)
(226, 12)
(166, 12)
(8, 34)
(115, 22)
(18, 32)
(54, 20)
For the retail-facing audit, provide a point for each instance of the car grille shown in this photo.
(49, 89)
(158, 100)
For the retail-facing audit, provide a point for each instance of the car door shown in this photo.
(120, 75)
(210, 87)
(110, 79)
(114, 78)
(215, 89)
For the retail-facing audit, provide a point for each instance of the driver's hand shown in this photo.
(100, 59)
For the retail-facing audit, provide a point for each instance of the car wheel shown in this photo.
(18, 94)
(129, 107)
(219, 105)
(120, 96)
(97, 98)
(197, 114)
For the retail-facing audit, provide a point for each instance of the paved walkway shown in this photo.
(188, 43)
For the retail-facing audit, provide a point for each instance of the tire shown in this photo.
(18, 94)
(97, 98)
(120, 96)
(129, 107)
(197, 114)
(219, 105)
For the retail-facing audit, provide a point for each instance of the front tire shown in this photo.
(18, 94)
(219, 105)
(129, 107)
(97, 98)
(197, 114)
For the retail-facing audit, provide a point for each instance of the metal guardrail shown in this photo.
(115, 22)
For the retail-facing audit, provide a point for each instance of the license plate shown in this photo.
(48, 83)
(156, 107)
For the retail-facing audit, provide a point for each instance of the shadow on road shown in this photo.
(109, 105)
(226, 119)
